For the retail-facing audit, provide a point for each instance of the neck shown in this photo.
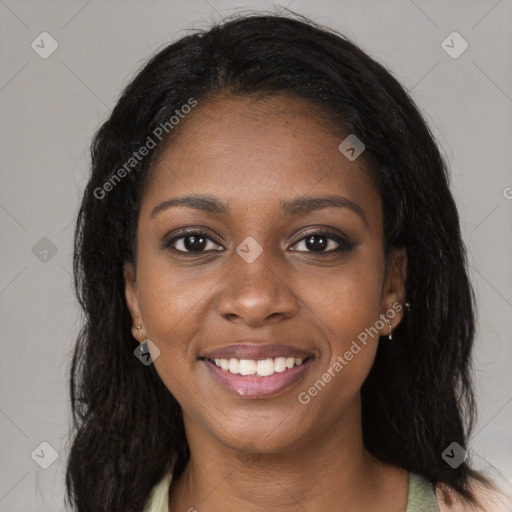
(330, 470)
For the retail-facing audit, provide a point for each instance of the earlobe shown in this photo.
(394, 295)
(397, 276)
(131, 296)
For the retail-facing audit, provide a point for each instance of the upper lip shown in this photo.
(249, 349)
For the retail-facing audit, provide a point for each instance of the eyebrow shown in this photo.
(290, 207)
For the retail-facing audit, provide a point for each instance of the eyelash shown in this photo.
(343, 244)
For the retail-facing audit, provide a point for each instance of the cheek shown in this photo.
(167, 306)
(350, 307)
(171, 299)
(350, 301)
(174, 303)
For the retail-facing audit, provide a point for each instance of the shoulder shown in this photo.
(158, 500)
(490, 499)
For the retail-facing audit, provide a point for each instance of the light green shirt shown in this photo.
(421, 497)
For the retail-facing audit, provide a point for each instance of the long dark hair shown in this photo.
(417, 400)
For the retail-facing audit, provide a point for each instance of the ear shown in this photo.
(132, 298)
(394, 292)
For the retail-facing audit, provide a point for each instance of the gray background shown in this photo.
(51, 107)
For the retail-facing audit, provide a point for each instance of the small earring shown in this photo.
(407, 306)
(390, 335)
(139, 327)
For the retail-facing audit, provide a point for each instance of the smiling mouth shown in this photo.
(258, 368)
(258, 378)
(251, 369)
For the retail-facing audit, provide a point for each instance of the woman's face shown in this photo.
(261, 284)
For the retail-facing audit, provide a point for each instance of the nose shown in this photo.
(255, 292)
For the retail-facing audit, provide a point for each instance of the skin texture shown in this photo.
(273, 453)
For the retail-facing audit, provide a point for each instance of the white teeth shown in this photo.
(234, 365)
(261, 368)
(265, 367)
(247, 367)
(280, 364)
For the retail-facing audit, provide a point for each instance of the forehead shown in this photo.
(253, 154)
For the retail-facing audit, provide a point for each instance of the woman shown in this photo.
(278, 314)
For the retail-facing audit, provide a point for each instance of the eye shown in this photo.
(323, 242)
(191, 241)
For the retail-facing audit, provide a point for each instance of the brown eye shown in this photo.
(191, 242)
(323, 242)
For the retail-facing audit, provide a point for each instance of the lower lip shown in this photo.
(250, 386)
